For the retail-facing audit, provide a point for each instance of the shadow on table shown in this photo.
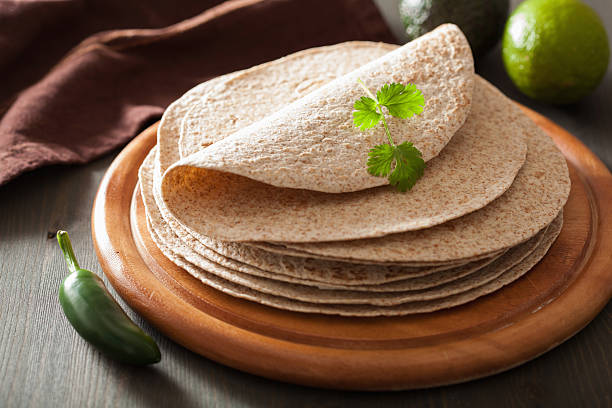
(146, 383)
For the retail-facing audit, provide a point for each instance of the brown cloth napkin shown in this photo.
(81, 77)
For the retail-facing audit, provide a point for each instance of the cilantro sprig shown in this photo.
(401, 101)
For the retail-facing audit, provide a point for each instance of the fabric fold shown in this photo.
(60, 104)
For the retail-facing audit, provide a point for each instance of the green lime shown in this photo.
(482, 21)
(555, 50)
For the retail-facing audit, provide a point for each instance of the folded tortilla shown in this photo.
(312, 143)
(477, 166)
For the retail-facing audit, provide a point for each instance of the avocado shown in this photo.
(482, 21)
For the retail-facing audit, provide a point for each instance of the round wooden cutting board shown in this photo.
(494, 333)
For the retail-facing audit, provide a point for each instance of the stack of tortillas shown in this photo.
(259, 187)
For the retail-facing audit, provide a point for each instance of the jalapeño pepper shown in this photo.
(95, 315)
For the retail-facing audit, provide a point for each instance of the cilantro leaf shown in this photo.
(409, 164)
(379, 160)
(407, 161)
(402, 101)
(366, 116)
(409, 167)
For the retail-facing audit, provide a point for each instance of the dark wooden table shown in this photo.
(44, 363)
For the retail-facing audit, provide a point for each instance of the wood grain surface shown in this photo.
(44, 363)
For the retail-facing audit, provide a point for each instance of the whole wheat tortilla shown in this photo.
(283, 146)
(369, 310)
(311, 272)
(245, 292)
(477, 166)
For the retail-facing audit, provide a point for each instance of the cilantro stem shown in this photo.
(379, 107)
(365, 88)
(386, 128)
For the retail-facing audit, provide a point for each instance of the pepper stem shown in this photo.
(64, 242)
